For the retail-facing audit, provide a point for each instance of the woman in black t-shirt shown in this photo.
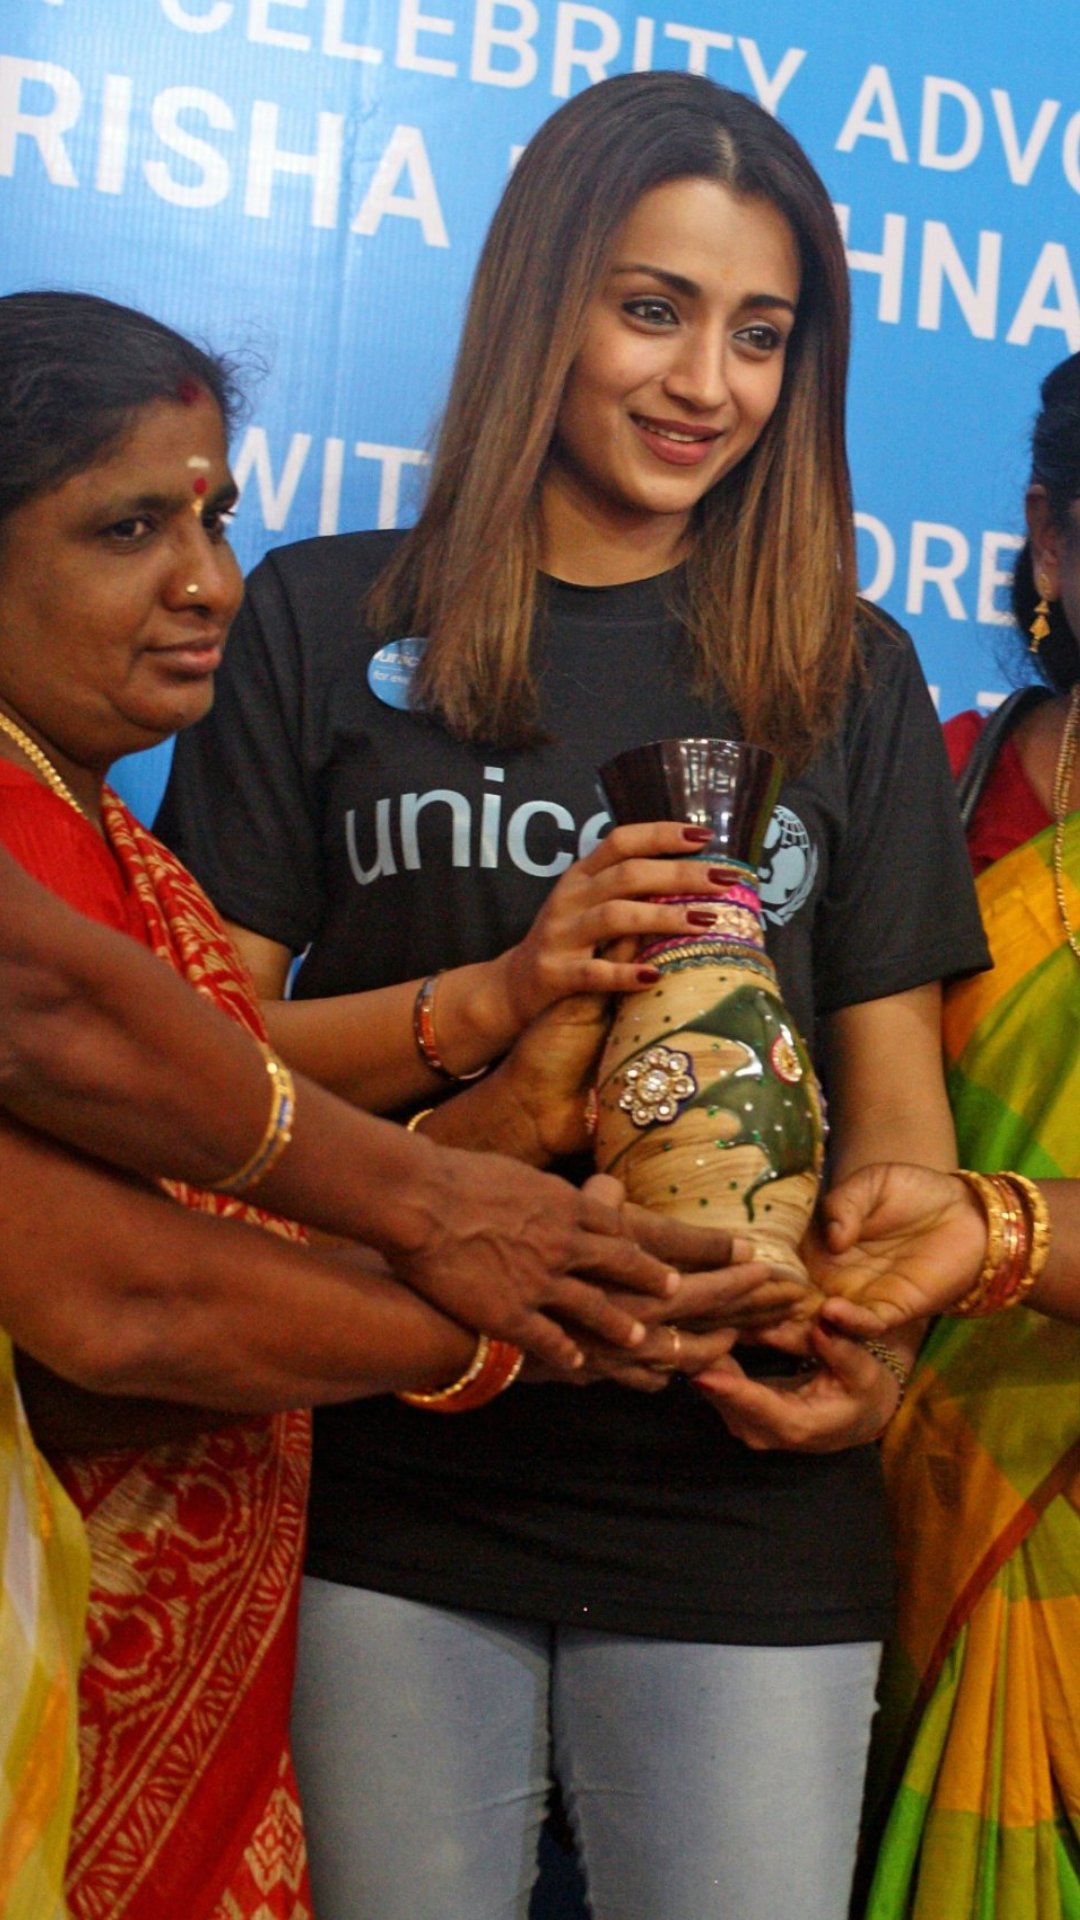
(638, 523)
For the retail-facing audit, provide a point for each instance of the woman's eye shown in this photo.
(217, 521)
(127, 531)
(654, 311)
(760, 337)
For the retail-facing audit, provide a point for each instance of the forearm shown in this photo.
(488, 1118)
(103, 1047)
(897, 1130)
(160, 1301)
(67, 1419)
(362, 1046)
(887, 1085)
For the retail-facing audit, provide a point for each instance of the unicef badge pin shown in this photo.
(391, 670)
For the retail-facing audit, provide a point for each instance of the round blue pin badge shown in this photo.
(390, 671)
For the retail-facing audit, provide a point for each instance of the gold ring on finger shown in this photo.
(675, 1363)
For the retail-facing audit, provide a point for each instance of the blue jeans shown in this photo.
(701, 1781)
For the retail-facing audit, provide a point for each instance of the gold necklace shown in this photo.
(45, 766)
(1063, 773)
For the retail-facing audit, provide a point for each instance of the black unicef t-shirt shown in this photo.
(319, 814)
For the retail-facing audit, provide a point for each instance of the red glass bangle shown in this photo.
(494, 1366)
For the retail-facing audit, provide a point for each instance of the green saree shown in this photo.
(974, 1796)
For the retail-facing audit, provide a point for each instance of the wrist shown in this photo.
(476, 1021)
(409, 1194)
(493, 1366)
(495, 1117)
(1017, 1242)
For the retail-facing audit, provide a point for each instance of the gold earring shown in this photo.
(1040, 625)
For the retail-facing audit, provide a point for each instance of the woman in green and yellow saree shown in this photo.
(974, 1798)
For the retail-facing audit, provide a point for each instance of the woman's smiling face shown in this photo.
(680, 368)
(117, 589)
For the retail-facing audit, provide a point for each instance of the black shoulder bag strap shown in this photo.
(976, 769)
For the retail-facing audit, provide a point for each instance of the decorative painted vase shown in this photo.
(708, 1105)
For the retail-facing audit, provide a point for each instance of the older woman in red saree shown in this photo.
(118, 590)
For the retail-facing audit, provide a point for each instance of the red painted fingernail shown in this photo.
(696, 918)
(698, 836)
(648, 976)
(718, 876)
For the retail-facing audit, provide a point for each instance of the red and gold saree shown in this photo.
(187, 1806)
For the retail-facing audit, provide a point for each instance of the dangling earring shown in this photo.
(1040, 625)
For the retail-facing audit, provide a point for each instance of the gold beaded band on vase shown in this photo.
(423, 1024)
(494, 1366)
(276, 1134)
(1017, 1242)
(40, 761)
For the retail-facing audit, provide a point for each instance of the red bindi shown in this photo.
(199, 485)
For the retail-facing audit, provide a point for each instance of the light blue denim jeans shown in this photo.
(701, 1781)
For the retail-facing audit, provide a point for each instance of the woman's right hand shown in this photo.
(582, 941)
(621, 889)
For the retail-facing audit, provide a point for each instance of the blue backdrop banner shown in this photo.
(308, 181)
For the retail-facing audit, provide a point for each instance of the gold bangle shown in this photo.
(1017, 1242)
(889, 1358)
(276, 1134)
(1039, 1222)
(973, 1302)
(413, 1123)
(473, 1370)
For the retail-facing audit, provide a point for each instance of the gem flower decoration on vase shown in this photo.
(708, 1107)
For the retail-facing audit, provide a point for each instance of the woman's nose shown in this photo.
(206, 574)
(698, 374)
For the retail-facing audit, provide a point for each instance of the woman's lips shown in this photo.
(192, 656)
(675, 442)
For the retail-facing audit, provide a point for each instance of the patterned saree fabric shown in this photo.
(187, 1804)
(975, 1780)
(42, 1607)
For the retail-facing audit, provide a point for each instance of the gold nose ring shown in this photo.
(193, 587)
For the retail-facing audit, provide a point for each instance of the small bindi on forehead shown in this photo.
(198, 466)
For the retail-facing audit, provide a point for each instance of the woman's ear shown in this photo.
(1045, 537)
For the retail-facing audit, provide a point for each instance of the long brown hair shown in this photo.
(769, 595)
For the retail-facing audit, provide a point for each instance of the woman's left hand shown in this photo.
(845, 1402)
(896, 1243)
(549, 1070)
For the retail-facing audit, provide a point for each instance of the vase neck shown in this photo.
(738, 931)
